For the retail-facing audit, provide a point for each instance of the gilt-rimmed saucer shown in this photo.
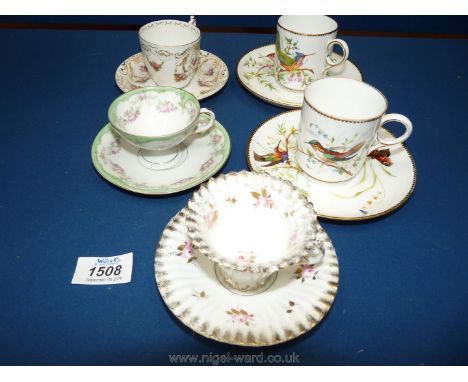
(296, 301)
(160, 172)
(211, 76)
(385, 182)
(255, 71)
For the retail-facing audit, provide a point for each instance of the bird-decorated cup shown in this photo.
(303, 49)
(339, 127)
(171, 51)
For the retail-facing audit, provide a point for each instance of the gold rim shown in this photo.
(272, 101)
(310, 34)
(350, 120)
(163, 283)
(194, 27)
(343, 218)
(201, 245)
(341, 119)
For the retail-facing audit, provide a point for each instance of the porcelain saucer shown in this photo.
(211, 76)
(255, 73)
(160, 172)
(297, 300)
(383, 184)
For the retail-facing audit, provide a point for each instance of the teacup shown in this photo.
(251, 225)
(303, 49)
(340, 120)
(171, 51)
(158, 118)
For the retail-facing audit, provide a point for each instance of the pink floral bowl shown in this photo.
(252, 224)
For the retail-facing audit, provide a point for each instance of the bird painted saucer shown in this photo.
(385, 182)
(160, 172)
(255, 72)
(211, 76)
(294, 303)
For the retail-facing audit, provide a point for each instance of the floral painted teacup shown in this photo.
(251, 225)
(171, 51)
(158, 118)
(303, 49)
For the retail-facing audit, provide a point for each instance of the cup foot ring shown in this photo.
(164, 159)
(264, 287)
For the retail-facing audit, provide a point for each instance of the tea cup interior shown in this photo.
(308, 25)
(346, 99)
(169, 33)
(154, 112)
(253, 219)
(252, 235)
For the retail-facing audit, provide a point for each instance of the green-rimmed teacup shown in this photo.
(158, 118)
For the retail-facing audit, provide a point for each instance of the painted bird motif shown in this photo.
(278, 156)
(383, 156)
(290, 64)
(333, 155)
(270, 56)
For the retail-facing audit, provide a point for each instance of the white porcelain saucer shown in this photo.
(211, 76)
(155, 172)
(255, 72)
(297, 300)
(383, 185)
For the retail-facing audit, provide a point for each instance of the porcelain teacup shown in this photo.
(251, 225)
(340, 121)
(303, 49)
(171, 51)
(158, 118)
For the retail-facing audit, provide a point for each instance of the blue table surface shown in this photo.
(403, 296)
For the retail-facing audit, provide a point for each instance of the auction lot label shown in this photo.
(103, 270)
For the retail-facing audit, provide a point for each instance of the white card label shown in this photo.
(103, 270)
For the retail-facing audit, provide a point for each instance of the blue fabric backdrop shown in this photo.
(403, 24)
(403, 296)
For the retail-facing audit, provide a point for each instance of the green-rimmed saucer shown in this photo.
(160, 172)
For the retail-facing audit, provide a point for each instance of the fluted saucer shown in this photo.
(296, 301)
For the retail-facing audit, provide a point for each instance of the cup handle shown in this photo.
(344, 47)
(203, 127)
(193, 21)
(396, 118)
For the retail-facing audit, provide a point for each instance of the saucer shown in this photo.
(210, 78)
(160, 172)
(255, 72)
(375, 191)
(294, 303)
